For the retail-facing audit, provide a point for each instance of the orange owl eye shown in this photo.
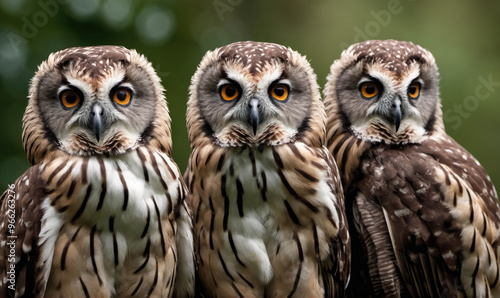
(229, 92)
(122, 96)
(280, 92)
(369, 90)
(70, 98)
(414, 90)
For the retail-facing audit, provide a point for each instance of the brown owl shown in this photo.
(102, 211)
(266, 196)
(423, 214)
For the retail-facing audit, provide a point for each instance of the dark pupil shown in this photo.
(121, 95)
(71, 98)
(230, 91)
(279, 91)
(413, 89)
(370, 89)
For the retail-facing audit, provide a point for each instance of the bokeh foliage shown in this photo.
(175, 34)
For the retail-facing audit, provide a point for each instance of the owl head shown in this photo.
(94, 100)
(385, 91)
(253, 94)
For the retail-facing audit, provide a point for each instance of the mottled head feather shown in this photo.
(253, 54)
(395, 55)
(93, 61)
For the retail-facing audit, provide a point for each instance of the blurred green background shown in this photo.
(174, 35)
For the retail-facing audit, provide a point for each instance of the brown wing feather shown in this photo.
(441, 213)
(379, 261)
(401, 180)
(21, 204)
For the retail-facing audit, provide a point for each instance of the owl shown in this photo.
(423, 214)
(102, 211)
(267, 200)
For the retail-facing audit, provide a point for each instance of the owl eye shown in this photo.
(69, 98)
(122, 96)
(229, 92)
(280, 92)
(369, 90)
(414, 90)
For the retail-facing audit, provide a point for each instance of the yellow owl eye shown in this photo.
(280, 92)
(229, 92)
(122, 96)
(70, 98)
(414, 90)
(369, 90)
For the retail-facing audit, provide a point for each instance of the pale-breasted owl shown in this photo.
(102, 210)
(266, 196)
(424, 215)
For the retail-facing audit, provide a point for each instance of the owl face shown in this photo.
(96, 100)
(252, 93)
(386, 90)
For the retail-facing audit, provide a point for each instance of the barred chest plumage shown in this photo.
(125, 204)
(263, 213)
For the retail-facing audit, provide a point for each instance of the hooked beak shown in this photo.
(96, 117)
(396, 112)
(254, 119)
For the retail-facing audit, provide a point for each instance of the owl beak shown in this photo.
(96, 115)
(254, 120)
(396, 112)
